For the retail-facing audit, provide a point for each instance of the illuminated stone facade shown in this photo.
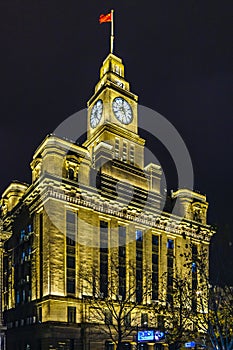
(68, 226)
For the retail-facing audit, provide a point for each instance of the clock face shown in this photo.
(122, 110)
(96, 113)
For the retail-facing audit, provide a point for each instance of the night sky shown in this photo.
(177, 56)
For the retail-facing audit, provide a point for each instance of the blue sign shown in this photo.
(150, 335)
(146, 335)
(159, 335)
(190, 344)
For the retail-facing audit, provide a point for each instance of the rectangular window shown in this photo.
(104, 258)
(170, 269)
(124, 152)
(117, 69)
(71, 314)
(109, 345)
(155, 259)
(40, 314)
(170, 262)
(117, 147)
(131, 155)
(70, 228)
(139, 259)
(122, 261)
(139, 235)
(155, 240)
(41, 233)
(17, 297)
(194, 276)
(71, 232)
(70, 286)
(22, 234)
(155, 266)
(170, 244)
(144, 319)
(70, 262)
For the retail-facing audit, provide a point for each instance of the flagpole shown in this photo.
(112, 33)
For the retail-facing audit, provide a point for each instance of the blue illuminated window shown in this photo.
(22, 234)
(170, 244)
(194, 267)
(138, 235)
(17, 297)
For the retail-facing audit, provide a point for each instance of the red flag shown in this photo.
(105, 18)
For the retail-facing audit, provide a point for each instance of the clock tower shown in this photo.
(112, 123)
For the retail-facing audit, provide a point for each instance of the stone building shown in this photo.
(89, 234)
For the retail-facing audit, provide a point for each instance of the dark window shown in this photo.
(109, 345)
(71, 273)
(122, 251)
(71, 174)
(40, 314)
(104, 258)
(155, 267)
(194, 276)
(122, 261)
(71, 228)
(41, 233)
(139, 259)
(170, 280)
(70, 286)
(155, 259)
(170, 262)
(154, 278)
(155, 240)
(144, 319)
(70, 261)
(170, 268)
(122, 271)
(71, 314)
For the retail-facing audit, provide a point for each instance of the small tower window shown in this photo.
(117, 69)
(124, 152)
(117, 143)
(132, 154)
